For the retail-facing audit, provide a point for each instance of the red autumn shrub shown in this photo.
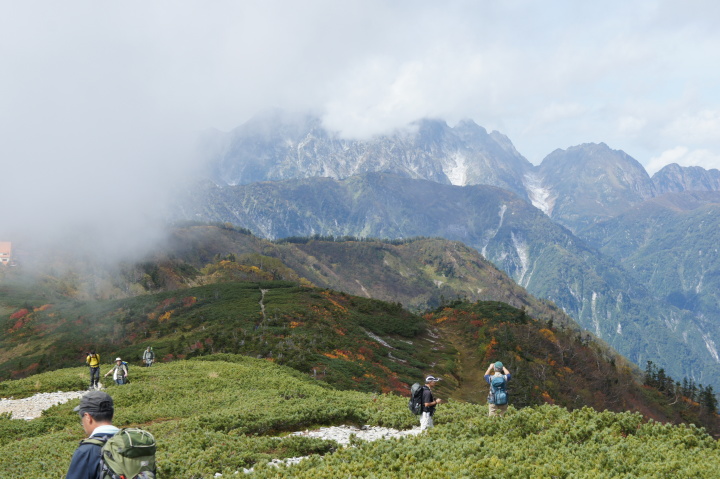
(19, 314)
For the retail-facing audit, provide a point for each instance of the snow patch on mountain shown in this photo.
(523, 252)
(710, 345)
(365, 291)
(699, 286)
(491, 234)
(593, 309)
(377, 338)
(540, 196)
(456, 170)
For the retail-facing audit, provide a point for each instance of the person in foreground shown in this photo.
(96, 411)
(428, 403)
(497, 397)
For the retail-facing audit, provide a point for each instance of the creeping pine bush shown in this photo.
(207, 416)
(535, 442)
(221, 416)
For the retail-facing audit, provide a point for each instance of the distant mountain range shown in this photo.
(554, 228)
(575, 187)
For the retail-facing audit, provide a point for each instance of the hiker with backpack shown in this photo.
(93, 360)
(148, 357)
(428, 403)
(109, 452)
(497, 397)
(96, 411)
(120, 372)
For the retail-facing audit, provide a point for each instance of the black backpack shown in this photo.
(415, 404)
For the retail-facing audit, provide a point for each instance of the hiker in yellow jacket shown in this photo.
(93, 360)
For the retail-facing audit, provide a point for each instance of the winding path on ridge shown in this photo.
(470, 372)
(262, 304)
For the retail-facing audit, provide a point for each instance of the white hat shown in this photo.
(118, 359)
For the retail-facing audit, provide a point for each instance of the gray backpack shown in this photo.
(415, 403)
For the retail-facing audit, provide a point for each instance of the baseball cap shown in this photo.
(498, 365)
(118, 359)
(431, 378)
(95, 401)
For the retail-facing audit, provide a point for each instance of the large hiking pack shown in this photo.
(415, 403)
(129, 454)
(498, 391)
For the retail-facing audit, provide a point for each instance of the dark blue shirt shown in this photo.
(86, 459)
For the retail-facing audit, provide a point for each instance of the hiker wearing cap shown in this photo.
(93, 360)
(120, 372)
(96, 411)
(428, 403)
(148, 357)
(497, 376)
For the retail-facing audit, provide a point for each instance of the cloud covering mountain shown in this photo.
(99, 99)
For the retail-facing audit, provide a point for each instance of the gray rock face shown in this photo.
(278, 146)
(591, 183)
(675, 178)
(577, 187)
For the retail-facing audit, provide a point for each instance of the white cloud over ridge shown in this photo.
(98, 100)
(683, 156)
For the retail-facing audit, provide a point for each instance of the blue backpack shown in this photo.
(498, 391)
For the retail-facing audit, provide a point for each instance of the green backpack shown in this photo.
(129, 454)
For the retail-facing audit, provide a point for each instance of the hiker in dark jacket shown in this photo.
(498, 370)
(96, 412)
(428, 403)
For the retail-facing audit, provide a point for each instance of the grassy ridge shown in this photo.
(205, 414)
(305, 328)
(232, 412)
(350, 342)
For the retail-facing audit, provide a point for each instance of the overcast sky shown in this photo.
(99, 100)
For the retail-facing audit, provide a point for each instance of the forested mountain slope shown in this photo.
(541, 256)
(247, 305)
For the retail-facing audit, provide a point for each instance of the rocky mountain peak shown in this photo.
(280, 146)
(592, 182)
(675, 178)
